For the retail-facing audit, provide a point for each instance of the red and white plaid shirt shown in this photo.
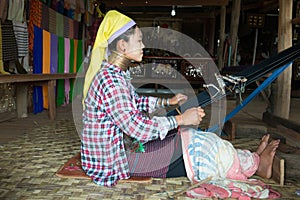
(112, 108)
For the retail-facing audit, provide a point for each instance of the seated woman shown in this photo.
(112, 109)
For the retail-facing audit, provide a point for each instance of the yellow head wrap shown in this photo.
(113, 25)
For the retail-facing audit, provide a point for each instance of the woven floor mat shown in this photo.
(29, 164)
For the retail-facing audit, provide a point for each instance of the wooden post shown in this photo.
(222, 37)
(21, 100)
(51, 97)
(283, 85)
(234, 25)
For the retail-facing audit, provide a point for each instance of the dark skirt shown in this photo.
(161, 159)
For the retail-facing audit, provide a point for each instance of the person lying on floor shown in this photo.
(113, 109)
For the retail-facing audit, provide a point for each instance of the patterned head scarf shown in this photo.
(113, 25)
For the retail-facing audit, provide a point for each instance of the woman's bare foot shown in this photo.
(263, 144)
(266, 160)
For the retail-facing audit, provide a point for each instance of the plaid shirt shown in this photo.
(112, 108)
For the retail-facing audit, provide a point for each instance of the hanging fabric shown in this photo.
(75, 55)
(54, 54)
(2, 71)
(21, 34)
(66, 27)
(59, 25)
(46, 64)
(67, 69)
(71, 68)
(45, 17)
(37, 69)
(52, 21)
(9, 45)
(61, 64)
(16, 10)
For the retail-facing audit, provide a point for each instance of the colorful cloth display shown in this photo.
(52, 21)
(54, 54)
(46, 63)
(9, 44)
(37, 69)
(21, 34)
(67, 70)
(2, 71)
(60, 98)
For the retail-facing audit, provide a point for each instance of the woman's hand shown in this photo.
(178, 99)
(192, 116)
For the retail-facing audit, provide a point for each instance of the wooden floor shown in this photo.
(32, 149)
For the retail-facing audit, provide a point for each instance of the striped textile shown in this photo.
(52, 21)
(1, 57)
(9, 44)
(2, 71)
(21, 34)
(205, 154)
(155, 161)
(66, 27)
(45, 17)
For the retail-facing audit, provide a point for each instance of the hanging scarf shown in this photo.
(54, 54)
(61, 64)
(37, 69)
(46, 63)
(113, 25)
(67, 69)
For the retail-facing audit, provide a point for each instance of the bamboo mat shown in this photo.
(29, 163)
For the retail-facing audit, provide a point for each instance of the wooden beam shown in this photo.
(126, 3)
(19, 78)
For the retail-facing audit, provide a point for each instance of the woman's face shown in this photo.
(134, 46)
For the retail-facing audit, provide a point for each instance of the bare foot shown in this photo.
(263, 144)
(266, 160)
